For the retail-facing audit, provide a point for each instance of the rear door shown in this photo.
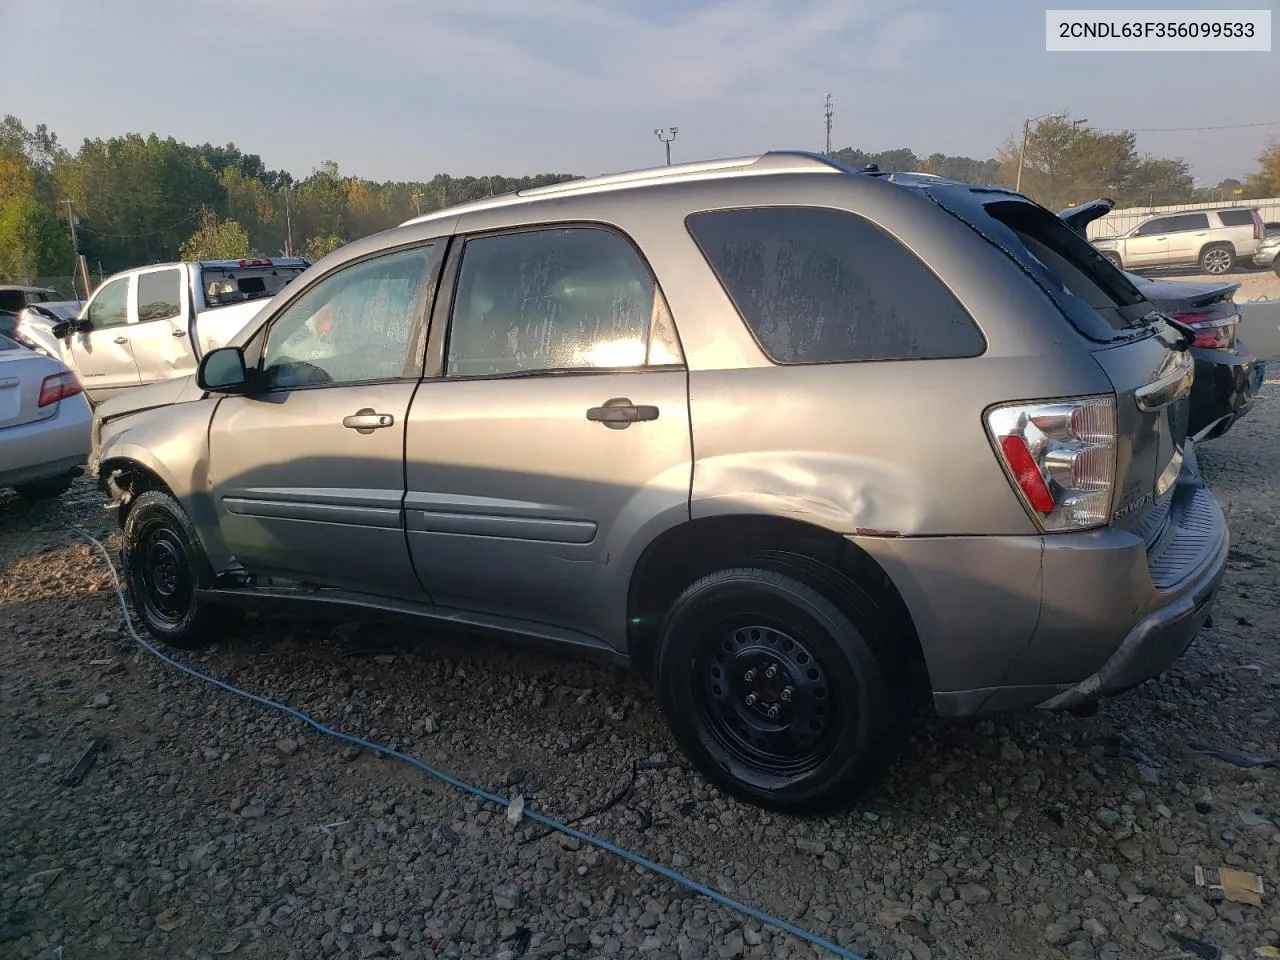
(103, 355)
(553, 428)
(158, 325)
(1188, 232)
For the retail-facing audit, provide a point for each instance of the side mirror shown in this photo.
(62, 329)
(84, 326)
(223, 371)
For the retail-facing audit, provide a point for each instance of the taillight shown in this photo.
(1257, 225)
(57, 387)
(1215, 331)
(1060, 457)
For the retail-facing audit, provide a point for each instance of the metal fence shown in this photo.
(1118, 222)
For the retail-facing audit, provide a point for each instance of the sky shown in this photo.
(405, 89)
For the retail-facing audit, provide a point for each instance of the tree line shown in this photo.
(136, 200)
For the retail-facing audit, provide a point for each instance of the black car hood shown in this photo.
(1077, 218)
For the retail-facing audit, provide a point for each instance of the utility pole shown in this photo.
(830, 112)
(417, 202)
(666, 139)
(75, 248)
(288, 225)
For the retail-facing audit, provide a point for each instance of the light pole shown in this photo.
(1026, 132)
(666, 139)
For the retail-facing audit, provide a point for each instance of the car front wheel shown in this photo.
(772, 691)
(164, 567)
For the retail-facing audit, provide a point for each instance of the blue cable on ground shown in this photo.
(776, 922)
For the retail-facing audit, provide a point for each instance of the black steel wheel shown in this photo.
(164, 567)
(772, 691)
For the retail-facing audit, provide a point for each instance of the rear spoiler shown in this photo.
(1077, 218)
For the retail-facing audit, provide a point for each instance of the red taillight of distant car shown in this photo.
(1214, 330)
(57, 387)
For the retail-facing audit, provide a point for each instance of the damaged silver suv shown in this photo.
(805, 442)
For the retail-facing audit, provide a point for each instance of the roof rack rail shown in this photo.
(774, 161)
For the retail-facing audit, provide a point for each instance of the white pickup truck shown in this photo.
(155, 323)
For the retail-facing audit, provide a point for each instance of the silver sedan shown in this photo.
(45, 424)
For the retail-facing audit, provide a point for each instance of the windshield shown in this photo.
(224, 285)
(1096, 297)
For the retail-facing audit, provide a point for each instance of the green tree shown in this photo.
(216, 240)
(33, 243)
(1266, 182)
(318, 247)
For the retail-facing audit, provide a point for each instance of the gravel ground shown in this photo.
(210, 826)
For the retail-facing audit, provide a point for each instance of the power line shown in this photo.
(139, 236)
(1224, 126)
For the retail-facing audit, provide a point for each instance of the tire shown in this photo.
(1217, 260)
(44, 489)
(832, 723)
(1276, 266)
(1114, 258)
(164, 565)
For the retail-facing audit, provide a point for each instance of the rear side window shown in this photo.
(159, 295)
(556, 299)
(824, 286)
(1236, 218)
(1187, 221)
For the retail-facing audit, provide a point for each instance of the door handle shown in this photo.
(121, 340)
(179, 333)
(367, 421)
(619, 413)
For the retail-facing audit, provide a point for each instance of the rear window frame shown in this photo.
(902, 248)
(1083, 318)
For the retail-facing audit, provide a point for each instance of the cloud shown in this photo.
(590, 52)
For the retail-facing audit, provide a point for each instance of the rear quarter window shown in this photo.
(1236, 218)
(817, 285)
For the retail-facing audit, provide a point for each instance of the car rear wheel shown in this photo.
(1217, 260)
(164, 567)
(772, 691)
(44, 489)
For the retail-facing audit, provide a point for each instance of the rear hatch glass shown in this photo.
(1144, 357)
(222, 285)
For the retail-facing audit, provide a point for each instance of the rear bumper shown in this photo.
(1225, 384)
(49, 448)
(1060, 620)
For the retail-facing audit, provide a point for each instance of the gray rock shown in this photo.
(1108, 817)
(101, 700)
(287, 747)
(506, 896)
(1011, 752)
(973, 893)
(1153, 938)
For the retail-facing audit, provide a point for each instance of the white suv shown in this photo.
(1215, 239)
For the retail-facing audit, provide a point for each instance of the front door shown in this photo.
(103, 355)
(158, 326)
(308, 471)
(1148, 245)
(554, 434)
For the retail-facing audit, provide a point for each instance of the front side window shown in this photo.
(109, 307)
(159, 295)
(1153, 228)
(354, 326)
(817, 285)
(556, 299)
